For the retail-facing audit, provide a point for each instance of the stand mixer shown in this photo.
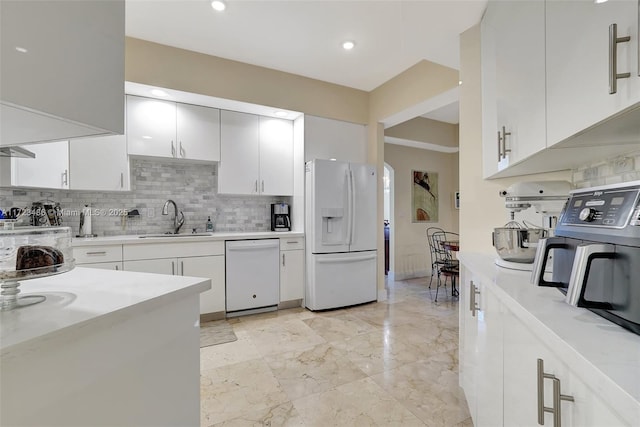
(547, 198)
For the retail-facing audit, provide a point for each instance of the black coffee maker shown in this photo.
(280, 217)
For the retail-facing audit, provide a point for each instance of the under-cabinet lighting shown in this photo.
(159, 92)
(281, 113)
(218, 5)
(600, 1)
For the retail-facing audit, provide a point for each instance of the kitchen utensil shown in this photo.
(517, 243)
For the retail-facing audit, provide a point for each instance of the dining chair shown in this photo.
(446, 264)
(432, 251)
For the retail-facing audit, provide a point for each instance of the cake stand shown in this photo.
(11, 240)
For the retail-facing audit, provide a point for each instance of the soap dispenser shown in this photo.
(209, 224)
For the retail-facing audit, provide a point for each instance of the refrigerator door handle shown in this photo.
(349, 208)
(347, 259)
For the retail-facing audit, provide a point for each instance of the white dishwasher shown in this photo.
(253, 275)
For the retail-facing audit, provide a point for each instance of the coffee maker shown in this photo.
(280, 217)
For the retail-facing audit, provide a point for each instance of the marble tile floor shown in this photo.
(389, 363)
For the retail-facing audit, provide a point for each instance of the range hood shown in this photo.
(16, 151)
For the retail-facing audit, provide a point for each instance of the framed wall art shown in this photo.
(424, 197)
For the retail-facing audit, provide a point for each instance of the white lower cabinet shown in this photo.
(499, 373)
(115, 265)
(198, 259)
(481, 351)
(522, 350)
(291, 273)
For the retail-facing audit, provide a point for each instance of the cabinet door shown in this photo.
(198, 132)
(151, 127)
(481, 351)
(577, 49)
(513, 82)
(103, 265)
(99, 163)
(49, 169)
(239, 153)
(160, 266)
(276, 157)
(522, 349)
(212, 267)
(291, 275)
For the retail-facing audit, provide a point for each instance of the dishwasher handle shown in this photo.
(250, 245)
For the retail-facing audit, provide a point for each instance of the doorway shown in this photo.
(388, 180)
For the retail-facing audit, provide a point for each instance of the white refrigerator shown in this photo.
(340, 234)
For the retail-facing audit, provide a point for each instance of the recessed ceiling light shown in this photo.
(332, 159)
(600, 1)
(459, 82)
(146, 137)
(281, 113)
(158, 92)
(21, 49)
(348, 45)
(218, 5)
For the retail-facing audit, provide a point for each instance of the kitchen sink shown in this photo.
(151, 236)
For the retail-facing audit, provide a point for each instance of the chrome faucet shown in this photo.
(178, 218)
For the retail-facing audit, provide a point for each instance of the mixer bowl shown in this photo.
(517, 244)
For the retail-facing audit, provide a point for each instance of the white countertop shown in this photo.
(85, 297)
(216, 236)
(607, 355)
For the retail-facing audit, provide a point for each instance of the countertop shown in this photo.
(82, 299)
(186, 237)
(606, 355)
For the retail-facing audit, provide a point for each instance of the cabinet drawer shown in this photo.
(291, 243)
(172, 250)
(93, 254)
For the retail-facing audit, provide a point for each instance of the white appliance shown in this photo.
(252, 276)
(341, 224)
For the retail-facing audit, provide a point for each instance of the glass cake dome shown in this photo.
(29, 253)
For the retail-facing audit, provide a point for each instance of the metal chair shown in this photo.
(446, 264)
(432, 251)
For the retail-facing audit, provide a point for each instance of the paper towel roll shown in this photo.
(85, 221)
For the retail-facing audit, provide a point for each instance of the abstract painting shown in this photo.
(424, 197)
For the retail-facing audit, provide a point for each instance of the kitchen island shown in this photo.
(114, 348)
(508, 324)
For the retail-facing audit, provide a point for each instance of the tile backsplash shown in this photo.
(611, 171)
(192, 186)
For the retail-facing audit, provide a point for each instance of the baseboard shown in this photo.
(408, 275)
(210, 317)
(290, 304)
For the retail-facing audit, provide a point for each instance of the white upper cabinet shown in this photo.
(100, 164)
(47, 93)
(167, 129)
(579, 57)
(276, 156)
(198, 132)
(49, 169)
(513, 83)
(256, 155)
(238, 171)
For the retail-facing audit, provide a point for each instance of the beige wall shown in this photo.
(481, 208)
(164, 66)
(426, 130)
(411, 254)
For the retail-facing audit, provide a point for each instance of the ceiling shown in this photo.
(304, 37)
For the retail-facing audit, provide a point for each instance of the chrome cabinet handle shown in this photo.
(183, 153)
(613, 58)
(97, 253)
(182, 268)
(173, 268)
(557, 396)
(173, 149)
(117, 268)
(504, 142)
(283, 260)
(121, 180)
(473, 306)
(65, 177)
(263, 185)
(256, 186)
(499, 146)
